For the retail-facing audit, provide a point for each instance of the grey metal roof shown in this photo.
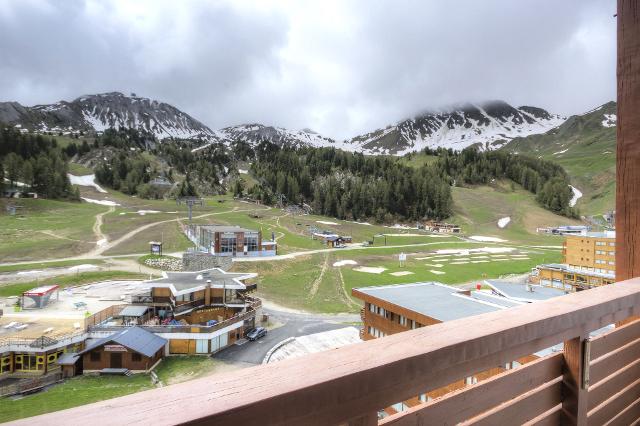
(519, 291)
(225, 228)
(135, 338)
(68, 358)
(432, 299)
(184, 282)
(499, 300)
(133, 311)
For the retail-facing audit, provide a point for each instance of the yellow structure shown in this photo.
(589, 261)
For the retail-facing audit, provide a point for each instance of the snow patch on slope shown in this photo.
(577, 194)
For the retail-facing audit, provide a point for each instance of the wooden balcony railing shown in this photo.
(593, 380)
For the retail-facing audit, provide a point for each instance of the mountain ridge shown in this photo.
(489, 124)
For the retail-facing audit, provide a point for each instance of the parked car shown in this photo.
(256, 333)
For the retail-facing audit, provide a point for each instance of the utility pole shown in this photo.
(190, 202)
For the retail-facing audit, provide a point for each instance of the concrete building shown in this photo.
(231, 241)
(589, 261)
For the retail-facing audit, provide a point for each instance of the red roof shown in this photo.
(41, 291)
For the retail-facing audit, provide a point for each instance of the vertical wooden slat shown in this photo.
(628, 142)
(574, 404)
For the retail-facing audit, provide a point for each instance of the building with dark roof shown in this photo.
(133, 349)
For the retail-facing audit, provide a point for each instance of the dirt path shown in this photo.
(343, 291)
(97, 226)
(318, 281)
(111, 244)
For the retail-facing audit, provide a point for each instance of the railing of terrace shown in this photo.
(592, 380)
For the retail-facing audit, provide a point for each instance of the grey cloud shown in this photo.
(341, 68)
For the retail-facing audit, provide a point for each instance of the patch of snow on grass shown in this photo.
(243, 171)
(486, 239)
(86, 180)
(101, 242)
(560, 152)
(143, 212)
(436, 272)
(83, 267)
(398, 226)
(401, 273)
(28, 272)
(345, 262)
(503, 222)
(101, 202)
(327, 223)
(370, 270)
(609, 120)
(577, 194)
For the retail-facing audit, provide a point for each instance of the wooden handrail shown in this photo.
(351, 382)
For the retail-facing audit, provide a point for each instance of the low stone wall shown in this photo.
(201, 261)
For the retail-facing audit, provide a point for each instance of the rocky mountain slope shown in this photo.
(102, 111)
(585, 145)
(488, 125)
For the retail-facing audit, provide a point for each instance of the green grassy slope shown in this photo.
(586, 149)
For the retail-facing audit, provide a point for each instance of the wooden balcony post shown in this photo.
(628, 142)
(575, 382)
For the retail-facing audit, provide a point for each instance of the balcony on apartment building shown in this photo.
(594, 380)
(597, 379)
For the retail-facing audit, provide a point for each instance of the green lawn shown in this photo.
(47, 229)
(87, 389)
(69, 280)
(312, 283)
(73, 392)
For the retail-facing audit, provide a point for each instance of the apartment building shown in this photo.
(589, 261)
(396, 308)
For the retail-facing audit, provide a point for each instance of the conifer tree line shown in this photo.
(130, 171)
(546, 179)
(35, 161)
(357, 187)
(349, 185)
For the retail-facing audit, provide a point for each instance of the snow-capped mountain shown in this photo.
(488, 125)
(102, 111)
(254, 133)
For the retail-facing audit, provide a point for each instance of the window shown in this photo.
(251, 242)
(184, 297)
(612, 262)
(94, 356)
(612, 244)
(6, 364)
(600, 243)
(228, 243)
(402, 320)
(372, 308)
(202, 346)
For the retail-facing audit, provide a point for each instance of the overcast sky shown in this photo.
(339, 67)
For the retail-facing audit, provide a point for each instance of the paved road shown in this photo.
(294, 325)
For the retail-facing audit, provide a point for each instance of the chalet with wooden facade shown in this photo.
(132, 349)
(442, 227)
